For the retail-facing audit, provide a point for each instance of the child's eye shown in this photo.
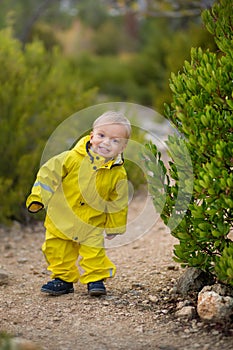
(101, 135)
(115, 140)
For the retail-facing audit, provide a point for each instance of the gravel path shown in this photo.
(137, 313)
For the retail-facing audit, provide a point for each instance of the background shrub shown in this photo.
(38, 90)
(201, 111)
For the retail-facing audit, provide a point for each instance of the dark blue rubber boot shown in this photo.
(57, 287)
(96, 288)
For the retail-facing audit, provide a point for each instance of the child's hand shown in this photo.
(109, 237)
(34, 207)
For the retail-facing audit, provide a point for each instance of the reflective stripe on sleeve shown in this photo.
(44, 186)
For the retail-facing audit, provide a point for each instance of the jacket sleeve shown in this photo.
(48, 179)
(117, 208)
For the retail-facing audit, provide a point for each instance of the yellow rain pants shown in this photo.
(63, 253)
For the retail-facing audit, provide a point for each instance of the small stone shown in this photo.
(139, 329)
(187, 331)
(186, 312)
(4, 277)
(22, 260)
(153, 298)
(182, 304)
(166, 298)
(9, 255)
(164, 311)
(172, 291)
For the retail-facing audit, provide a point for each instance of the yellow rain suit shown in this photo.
(84, 196)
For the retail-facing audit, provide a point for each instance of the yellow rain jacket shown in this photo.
(82, 193)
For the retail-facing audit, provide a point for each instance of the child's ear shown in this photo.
(91, 136)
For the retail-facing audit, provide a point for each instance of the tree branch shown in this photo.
(30, 23)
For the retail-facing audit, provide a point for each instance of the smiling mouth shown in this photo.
(104, 150)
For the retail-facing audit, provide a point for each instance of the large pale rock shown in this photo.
(212, 306)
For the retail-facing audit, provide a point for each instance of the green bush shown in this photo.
(201, 111)
(39, 89)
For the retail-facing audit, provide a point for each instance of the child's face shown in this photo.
(108, 140)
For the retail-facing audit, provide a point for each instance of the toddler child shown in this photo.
(85, 193)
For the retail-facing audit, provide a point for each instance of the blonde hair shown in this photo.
(112, 117)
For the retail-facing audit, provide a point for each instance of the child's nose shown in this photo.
(106, 141)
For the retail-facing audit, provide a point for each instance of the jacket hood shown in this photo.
(80, 146)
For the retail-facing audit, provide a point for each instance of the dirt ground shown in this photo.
(137, 313)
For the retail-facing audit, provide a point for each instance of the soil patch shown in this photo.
(138, 311)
